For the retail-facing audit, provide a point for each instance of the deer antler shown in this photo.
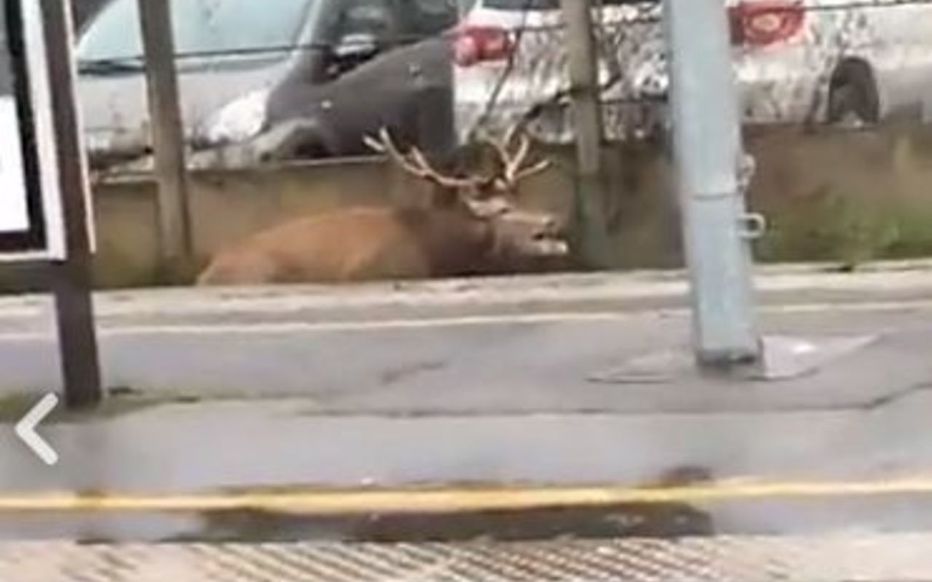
(530, 171)
(415, 162)
(511, 163)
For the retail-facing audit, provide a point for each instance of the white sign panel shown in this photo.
(14, 215)
(31, 224)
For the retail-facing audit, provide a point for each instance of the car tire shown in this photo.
(297, 139)
(853, 98)
(309, 149)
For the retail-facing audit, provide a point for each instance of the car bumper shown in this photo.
(773, 93)
(769, 93)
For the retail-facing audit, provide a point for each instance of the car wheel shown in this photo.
(853, 99)
(292, 140)
(312, 149)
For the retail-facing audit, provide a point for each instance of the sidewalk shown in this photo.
(384, 339)
(778, 285)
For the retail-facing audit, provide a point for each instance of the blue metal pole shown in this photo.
(708, 154)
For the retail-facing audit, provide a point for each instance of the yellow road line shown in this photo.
(455, 500)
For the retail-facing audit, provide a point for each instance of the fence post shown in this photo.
(707, 152)
(587, 122)
(71, 279)
(175, 236)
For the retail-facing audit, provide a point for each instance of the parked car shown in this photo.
(808, 61)
(232, 56)
(413, 85)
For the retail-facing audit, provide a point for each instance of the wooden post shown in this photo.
(71, 278)
(587, 121)
(175, 236)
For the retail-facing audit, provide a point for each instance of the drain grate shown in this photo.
(889, 557)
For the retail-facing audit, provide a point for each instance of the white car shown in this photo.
(796, 61)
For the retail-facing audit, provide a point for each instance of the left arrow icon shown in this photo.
(26, 429)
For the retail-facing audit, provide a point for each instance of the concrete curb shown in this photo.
(631, 291)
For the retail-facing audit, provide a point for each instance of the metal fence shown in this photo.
(807, 66)
(854, 53)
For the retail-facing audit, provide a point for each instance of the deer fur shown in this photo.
(466, 230)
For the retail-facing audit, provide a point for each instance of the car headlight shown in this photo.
(238, 120)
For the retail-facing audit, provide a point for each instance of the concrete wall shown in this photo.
(845, 197)
(226, 205)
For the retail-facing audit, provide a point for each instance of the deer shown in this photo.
(471, 225)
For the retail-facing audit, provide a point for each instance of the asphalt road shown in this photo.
(462, 348)
(486, 395)
(495, 401)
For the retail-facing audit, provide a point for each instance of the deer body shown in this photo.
(471, 227)
(361, 244)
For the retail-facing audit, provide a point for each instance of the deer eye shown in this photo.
(489, 208)
(499, 208)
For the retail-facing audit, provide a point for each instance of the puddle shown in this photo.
(643, 521)
(768, 516)
(623, 520)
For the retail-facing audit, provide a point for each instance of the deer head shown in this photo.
(490, 198)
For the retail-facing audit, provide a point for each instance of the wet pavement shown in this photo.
(502, 397)
(245, 446)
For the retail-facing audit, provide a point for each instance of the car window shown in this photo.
(425, 18)
(201, 26)
(368, 17)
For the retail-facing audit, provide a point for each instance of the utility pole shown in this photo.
(587, 120)
(176, 239)
(71, 277)
(708, 154)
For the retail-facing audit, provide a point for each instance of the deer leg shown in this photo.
(239, 269)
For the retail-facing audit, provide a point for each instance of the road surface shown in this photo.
(493, 385)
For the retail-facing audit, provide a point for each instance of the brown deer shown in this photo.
(472, 226)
